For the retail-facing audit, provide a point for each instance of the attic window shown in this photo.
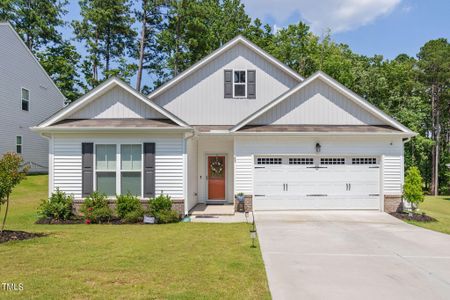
(239, 84)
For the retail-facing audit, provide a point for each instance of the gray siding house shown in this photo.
(27, 96)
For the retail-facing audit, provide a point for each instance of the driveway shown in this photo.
(352, 255)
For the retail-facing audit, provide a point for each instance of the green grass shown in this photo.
(438, 208)
(175, 261)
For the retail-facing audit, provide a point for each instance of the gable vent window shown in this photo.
(301, 161)
(269, 161)
(364, 161)
(25, 96)
(239, 84)
(332, 161)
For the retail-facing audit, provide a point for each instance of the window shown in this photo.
(131, 169)
(332, 161)
(239, 84)
(25, 95)
(105, 167)
(301, 161)
(364, 161)
(268, 161)
(19, 144)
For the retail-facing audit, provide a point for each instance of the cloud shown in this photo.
(338, 15)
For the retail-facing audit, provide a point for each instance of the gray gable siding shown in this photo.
(114, 104)
(199, 98)
(19, 69)
(318, 104)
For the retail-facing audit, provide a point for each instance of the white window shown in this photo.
(131, 169)
(239, 84)
(301, 161)
(105, 167)
(269, 161)
(364, 161)
(25, 96)
(19, 144)
(332, 161)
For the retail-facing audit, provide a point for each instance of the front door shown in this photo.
(216, 177)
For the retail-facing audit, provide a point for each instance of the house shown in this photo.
(238, 121)
(27, 97)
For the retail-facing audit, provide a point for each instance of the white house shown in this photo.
(27, 97)
(238, 121)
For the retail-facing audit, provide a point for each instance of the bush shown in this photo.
(128, 204)
(412, 190)
(161, 208)
(96, 209)
(58, 206)
(134, 216)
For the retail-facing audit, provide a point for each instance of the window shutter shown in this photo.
(251, 84)
(87, 169)
(149, 170)
(228, 83)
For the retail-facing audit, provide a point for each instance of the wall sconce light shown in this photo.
(318, 147)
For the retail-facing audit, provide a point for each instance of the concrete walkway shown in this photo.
(352, 255)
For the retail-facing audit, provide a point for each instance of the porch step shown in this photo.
(209, 211)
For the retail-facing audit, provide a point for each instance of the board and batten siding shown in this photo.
(19, 69)
(116, 103)
(66, 160)
(317, 103)
(388, 150)
(199, 98)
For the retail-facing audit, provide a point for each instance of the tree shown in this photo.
(412, 189)
(107, 33)
(434, 65)
(11, 174)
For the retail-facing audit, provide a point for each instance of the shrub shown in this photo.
(161, 208)
(58, 206)
(412, 190)
(96, 209)
(128, 204)
(134, 216)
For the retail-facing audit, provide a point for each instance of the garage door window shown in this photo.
(301, 161)
(332, 161)
(364, 161)
(269, 161)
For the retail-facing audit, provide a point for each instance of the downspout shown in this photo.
(185, 160)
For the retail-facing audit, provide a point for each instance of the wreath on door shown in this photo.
(216, 167)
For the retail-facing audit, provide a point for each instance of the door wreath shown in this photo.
(216, 167)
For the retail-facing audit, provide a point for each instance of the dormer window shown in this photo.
(239, 84)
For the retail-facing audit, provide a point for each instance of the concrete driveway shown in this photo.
(352, 255)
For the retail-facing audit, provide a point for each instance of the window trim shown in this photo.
(24, 100)
(240, 83)
(21, 144)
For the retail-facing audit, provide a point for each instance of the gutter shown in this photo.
(107, 129)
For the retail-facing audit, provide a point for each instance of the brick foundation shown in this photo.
(177, 205)
(248, 203)
(392, 203)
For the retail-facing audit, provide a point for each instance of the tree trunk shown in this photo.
(435, 138)
(6, 214)
(141, 49)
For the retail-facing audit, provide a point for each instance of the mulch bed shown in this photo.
(50, 221)
(12, 235)
(413, 217)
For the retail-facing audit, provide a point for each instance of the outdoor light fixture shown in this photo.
(318, 147)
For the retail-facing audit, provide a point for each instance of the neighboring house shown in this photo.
(238, 121)
(27, 97)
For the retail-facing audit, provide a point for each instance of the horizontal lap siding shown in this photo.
(393, 175)
(168, 163)
(243, 173)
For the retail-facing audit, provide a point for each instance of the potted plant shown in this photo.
(240, 197)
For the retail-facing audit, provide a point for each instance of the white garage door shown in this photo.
(282, 183)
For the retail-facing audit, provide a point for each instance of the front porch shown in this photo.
(202, 209)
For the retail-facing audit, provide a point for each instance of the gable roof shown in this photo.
(7, 24)
(334, 84)
(100, 90)
(237, 40)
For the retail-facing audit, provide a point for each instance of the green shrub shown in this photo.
(412, 189)
(167, 216)
(58, 206)
(161, 208)
(96, 209)
(134, 216)
(127, 204)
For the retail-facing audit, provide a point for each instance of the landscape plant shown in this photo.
(412, 189)
(95, 208)
(58, 207)
(129, 208)
(161, 208)
(12, 172)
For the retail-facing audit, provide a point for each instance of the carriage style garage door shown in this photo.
(289, 182)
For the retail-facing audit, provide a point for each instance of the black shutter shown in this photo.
(87, 169)
(149, 170)
(251, 84)
(228, 83)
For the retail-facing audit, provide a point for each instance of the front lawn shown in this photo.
(438, 208)
(182, 261)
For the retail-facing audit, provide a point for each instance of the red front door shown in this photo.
(216, 177)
